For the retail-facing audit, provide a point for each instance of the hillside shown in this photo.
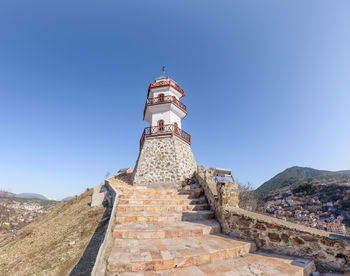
(298, 175)
(53, 244)
(32, 196)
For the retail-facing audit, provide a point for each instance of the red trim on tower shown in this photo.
(166, 83)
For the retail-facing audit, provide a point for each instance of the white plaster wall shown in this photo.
(161, 116)
(174, 118)
(169, 117)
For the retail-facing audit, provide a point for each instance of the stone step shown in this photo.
(171, 201)
(130, 255)
(156, 196)
(193, 192)
(163, 216)
(164, 230)
(131, 189)
(159, 192)
(161, 208)
(250, 265)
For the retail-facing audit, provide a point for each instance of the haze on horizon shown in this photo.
(266, 82)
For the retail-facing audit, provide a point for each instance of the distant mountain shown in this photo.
(31, 196)
(298, 175)
(67, 198)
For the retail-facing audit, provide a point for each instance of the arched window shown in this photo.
(161, 125)
(161, 98)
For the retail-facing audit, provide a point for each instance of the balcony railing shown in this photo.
(167, 99)
(166, 83)
(163, 100)
(165, 130)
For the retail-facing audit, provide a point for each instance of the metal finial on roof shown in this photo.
(163, 70)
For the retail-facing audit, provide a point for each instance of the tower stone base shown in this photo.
(164, 162)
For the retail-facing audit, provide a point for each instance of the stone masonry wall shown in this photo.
(164, 162)
(219, 195)
(206, 180)
(187, 165)
(328, 250)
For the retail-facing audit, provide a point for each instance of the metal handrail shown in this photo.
(170, 129)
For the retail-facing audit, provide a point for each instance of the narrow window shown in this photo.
(161, 97)
(161, 125)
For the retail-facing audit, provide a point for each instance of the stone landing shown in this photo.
(167, 232)
(164, 162)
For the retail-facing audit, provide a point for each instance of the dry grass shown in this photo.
(54, 243)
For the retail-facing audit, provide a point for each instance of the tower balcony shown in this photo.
(164, 100)
(165, 130)
(164, 83)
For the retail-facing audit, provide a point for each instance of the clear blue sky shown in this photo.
(267, 85)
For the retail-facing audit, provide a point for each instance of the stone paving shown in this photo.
(165, 232)
(252, 264)
(165, 229)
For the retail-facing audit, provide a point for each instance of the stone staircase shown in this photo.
(167, 232)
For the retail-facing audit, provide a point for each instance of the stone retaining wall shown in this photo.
(219, 195)
(328, 250)
(164, 162)
(101, 259)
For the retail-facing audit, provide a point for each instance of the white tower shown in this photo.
(163, 104)
(165, 157)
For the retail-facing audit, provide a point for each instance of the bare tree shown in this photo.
(246, 197)
(4, 216)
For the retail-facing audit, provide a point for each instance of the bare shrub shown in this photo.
(24, 233)
(246, 197)
(108, 174)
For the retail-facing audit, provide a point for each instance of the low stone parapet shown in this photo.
(101, 259)
(219, 194)
(328, 250)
